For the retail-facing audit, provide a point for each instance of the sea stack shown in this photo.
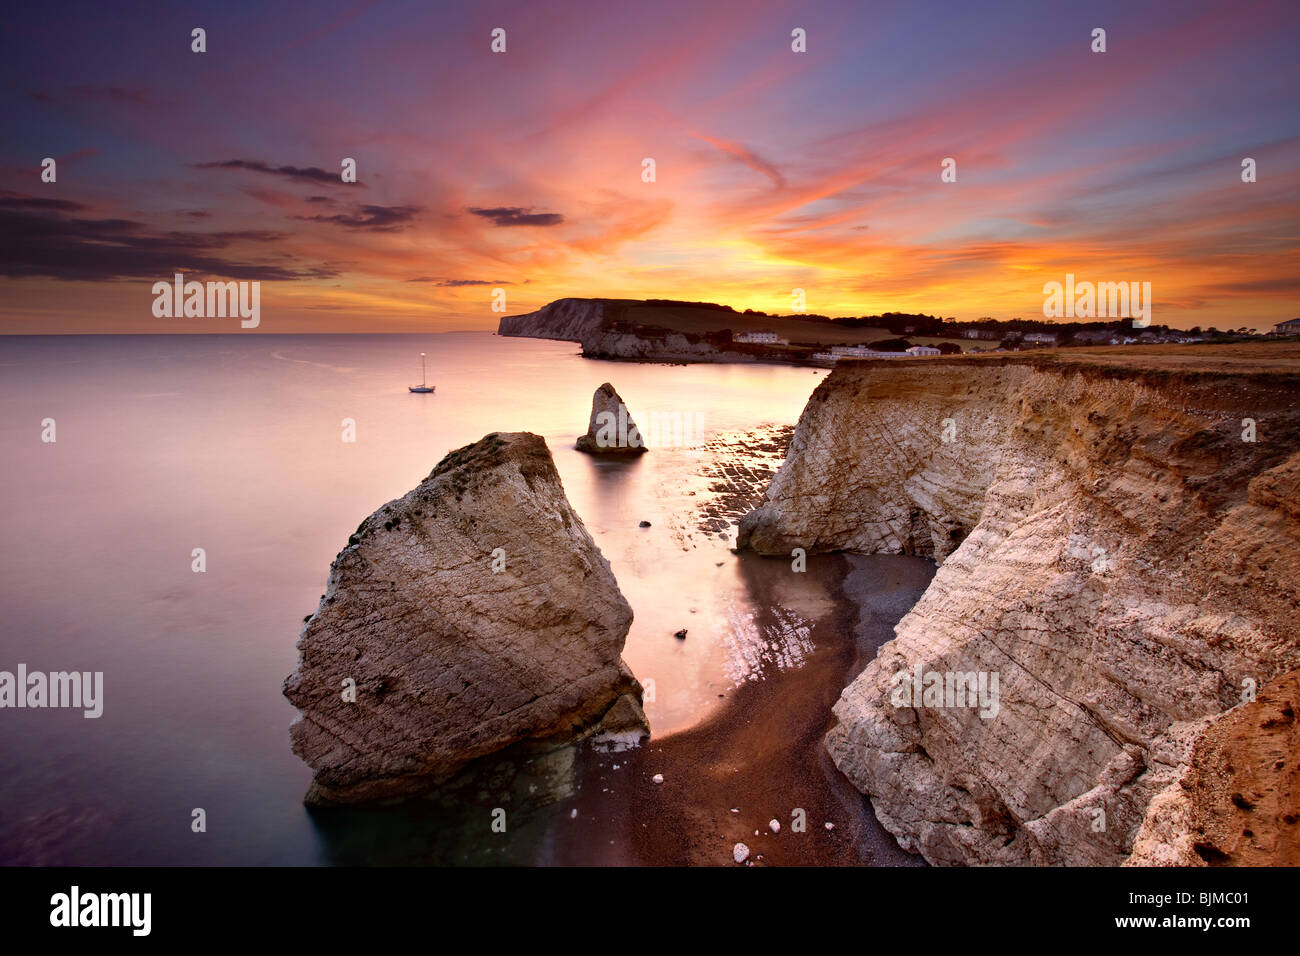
(611, 430)
(473, 614)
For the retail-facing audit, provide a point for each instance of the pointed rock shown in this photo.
(448, 656)
(611, 430)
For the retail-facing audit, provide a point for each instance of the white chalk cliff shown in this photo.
(598, 326)
(1109, 546)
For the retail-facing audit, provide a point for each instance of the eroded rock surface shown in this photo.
(451, 659)
(1238, 801)
(1110, 547)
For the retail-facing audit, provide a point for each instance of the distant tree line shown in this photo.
(918, 323)
(682, 303)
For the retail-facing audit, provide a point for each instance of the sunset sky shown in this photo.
(522, 170)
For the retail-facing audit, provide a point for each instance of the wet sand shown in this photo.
(761, 755)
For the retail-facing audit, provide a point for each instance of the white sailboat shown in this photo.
(422, 387)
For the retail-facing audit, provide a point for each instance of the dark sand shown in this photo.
(762, 754)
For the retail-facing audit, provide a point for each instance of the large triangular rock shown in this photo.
(611, 430)
(473, 614)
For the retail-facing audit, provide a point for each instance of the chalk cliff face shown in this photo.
(1110, 548)
(473, 614)
(572, 320)
(647, 344)
(594, 323)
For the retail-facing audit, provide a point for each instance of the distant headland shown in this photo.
(668, 330)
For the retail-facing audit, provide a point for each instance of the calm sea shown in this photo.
(233, 444)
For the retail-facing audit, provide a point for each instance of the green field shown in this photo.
(699, 321)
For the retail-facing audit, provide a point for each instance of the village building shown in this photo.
(1040, 338)
(759, 337)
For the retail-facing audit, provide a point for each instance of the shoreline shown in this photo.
(651, 331)
(783, 646)
(760, 752)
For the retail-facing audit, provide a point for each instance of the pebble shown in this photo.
(830, 826)
(573, 814)
(658, 778)
(680, 635)
(740, 853)
(645, 524)
(774, 826)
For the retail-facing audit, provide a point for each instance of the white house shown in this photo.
(862, 352)
(759, 337)
(923, 350)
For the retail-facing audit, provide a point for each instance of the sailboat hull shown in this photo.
(424, 385)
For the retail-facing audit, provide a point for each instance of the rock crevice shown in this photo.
(1109, 546)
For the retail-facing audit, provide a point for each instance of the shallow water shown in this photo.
(233, 444)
